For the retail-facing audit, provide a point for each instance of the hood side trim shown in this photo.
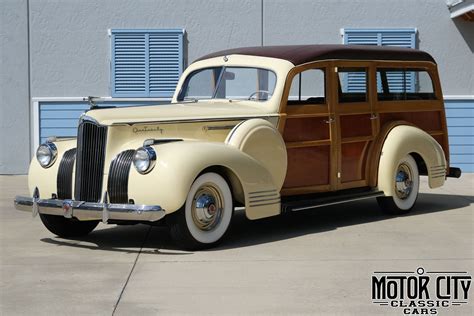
(214, 119)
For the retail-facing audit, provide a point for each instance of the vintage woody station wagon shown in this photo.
(270, 129)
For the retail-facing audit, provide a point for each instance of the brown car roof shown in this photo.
(301, 54)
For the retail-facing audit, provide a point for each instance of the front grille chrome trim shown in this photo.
(117, 183)
(90, 160)
(64, 178)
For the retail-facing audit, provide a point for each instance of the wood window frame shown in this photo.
(311, 111)
(373, 107)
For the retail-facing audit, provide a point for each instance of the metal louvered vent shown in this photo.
(64, 178)
(129, 64)
(117, 184)
(403, 37)
(91, 142)
(146, 63)
(165, 63)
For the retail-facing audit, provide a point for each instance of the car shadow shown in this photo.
(243, 233)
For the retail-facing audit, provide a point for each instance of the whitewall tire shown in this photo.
(406, 186)
(206, 215)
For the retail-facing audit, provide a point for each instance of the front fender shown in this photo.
(403, 140)
(178, 164)
(45, 178)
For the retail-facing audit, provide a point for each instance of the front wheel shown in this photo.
(65, 227)
(406, 184)
(206, 216)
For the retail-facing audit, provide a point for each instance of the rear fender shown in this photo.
(403, 140)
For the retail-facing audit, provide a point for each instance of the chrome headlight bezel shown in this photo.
(144, 159)
(47, 150)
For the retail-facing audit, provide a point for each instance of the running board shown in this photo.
(337, 198)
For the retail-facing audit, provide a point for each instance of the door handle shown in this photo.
(331, 120)
(373, 116)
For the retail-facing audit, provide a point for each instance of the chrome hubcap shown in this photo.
(403, 181)
(207, 207)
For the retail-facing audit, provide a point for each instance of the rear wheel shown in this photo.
(206, 216)
(406, 184)
(65, 227)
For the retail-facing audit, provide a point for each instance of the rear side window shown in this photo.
(308, 87)
(352, 85)
(404, 84)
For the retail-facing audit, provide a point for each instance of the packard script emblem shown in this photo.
(148, 129)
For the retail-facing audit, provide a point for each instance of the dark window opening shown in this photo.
(352, 85)
(308, 87)
(395, 84)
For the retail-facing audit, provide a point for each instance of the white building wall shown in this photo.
(70, 48)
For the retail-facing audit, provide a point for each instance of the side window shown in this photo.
(404, 84)
(308, 87)
(352, 85)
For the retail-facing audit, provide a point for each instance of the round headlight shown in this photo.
(46, 154)
(144, 159)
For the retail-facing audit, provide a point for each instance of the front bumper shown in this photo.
(89, 211)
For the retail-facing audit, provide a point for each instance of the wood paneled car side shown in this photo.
(270, 129)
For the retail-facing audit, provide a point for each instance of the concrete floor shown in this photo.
(313, 262)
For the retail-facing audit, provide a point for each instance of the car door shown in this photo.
(355, 122)
(308, 131)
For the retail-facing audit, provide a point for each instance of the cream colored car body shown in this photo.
(240, 138)
(402, 141)
(252, 155)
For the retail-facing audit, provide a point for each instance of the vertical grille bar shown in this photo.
(117, 185)
(64, 178)
(91, 142)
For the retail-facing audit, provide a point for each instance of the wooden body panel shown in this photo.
(344, 153)
(309, 138)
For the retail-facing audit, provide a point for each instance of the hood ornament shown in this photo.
(92, 102)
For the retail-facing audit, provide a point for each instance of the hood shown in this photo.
(179, 111)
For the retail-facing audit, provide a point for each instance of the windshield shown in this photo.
(233, 83)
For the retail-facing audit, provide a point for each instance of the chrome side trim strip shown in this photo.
(265, 200)
(263, 204)
(264, 195)
(258, 192)
(218, 127)
(191, 120)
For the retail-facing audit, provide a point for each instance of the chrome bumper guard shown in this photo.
(89, 211)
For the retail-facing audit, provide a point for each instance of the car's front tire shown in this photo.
(206, 215)
(406, 183)
(65, 227)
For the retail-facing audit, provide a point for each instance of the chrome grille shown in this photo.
(117, 185)
(91, 142)
(64, 178)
